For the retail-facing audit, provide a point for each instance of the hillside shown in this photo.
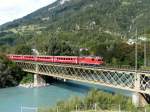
(111, 15)
(72, 24)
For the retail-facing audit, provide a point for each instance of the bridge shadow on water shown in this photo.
(84, 88)
(73, 86)
(80, 87)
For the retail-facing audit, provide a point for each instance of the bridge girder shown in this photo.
(115, 78)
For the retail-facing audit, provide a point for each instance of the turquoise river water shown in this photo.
(11, 99)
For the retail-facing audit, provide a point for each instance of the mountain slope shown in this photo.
(117, 14)
(62, 28)
(80, 20)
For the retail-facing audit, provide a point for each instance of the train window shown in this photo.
(99, 59)
(92, 59)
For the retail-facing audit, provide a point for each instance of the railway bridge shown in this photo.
(136, 81)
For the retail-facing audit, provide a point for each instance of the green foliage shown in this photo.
(148, 108)
(23, 49)
(7, 38)
(29, 78)
(105, 101)
(10, 74)
(57, 47)
(84, 53)
(124, 54)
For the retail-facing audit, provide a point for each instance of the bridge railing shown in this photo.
(127, 67)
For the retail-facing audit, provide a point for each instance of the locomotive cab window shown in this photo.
(99, 59)
(92, 59)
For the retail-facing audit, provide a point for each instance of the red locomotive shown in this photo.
(60, 59)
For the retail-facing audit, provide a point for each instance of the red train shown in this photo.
(60, 59)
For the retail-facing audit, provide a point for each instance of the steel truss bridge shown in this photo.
(126, 79)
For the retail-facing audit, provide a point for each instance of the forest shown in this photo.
(10, 74)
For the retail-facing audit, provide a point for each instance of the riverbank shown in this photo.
(94, 101)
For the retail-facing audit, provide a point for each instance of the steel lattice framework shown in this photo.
(126, 79)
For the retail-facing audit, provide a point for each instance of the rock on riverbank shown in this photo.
(31, 85)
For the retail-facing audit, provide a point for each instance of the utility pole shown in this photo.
(136, 52)
(145, 54)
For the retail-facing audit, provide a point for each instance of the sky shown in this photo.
(13, 9)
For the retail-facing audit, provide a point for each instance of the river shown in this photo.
(12, 99)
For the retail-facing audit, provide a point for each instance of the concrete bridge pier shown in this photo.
(135, 99)
(140, 100)
(38, 80)
(35, 79)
